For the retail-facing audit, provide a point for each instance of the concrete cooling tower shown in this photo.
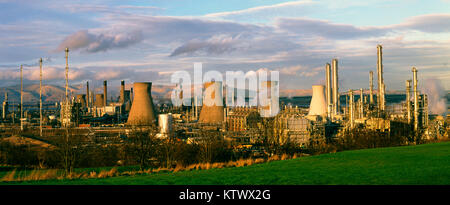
(142, 110)
(212, 110)
(318, 104)
(99, 100)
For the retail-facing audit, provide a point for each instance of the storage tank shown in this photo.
(165, 123)
(99, 100)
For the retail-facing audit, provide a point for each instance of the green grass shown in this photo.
(421, 164)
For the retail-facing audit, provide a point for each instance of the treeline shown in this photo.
(141, 147)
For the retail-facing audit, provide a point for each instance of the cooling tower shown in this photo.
(142, 112)
(99, 100)
(270, 105)
(318, 104)
(212, 109)
(81, 98)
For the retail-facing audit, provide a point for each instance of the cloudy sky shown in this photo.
(149, 40)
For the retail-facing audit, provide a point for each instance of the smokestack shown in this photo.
(67, 75)
(40, 97)
(5, 106)
(381, 88)
(87, 94)
(21, 91)
(408, 100)
(351, 109)
(318, 102)
(335, 87)
(361, 104)
(416, 100)
(212, 109)
(21, 97)
(99, 100)
(105, 93)
(122, 92)
(328, 89)
(142, 111)
(371, 88)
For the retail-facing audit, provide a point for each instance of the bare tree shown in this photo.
(141, 144)
(70, 147)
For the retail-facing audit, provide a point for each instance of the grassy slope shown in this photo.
(422, 164)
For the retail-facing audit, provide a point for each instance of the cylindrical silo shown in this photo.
(142, 111)
(165, 123)
(99, 100)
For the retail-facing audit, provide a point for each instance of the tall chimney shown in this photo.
(381, 88)
(416, 100)
(351, 108)
(122, 92)
(40, 97)
(328, 92)
(5, 106)
(105, 93)
(67, 75)
(335, 87)
(21, 92)
(87, 94)
(408, 100)
(361, 104)
(371, 87)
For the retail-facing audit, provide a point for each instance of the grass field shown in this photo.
(421, 164)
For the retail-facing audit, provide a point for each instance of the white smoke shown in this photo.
(437, 96)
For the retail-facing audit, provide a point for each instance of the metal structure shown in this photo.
(416, 100)
(408, 100)
(381, 86)
(334, 69)
(328, 90)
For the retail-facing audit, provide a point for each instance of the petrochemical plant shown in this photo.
(330, 114)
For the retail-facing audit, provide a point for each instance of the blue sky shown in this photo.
(149, 40)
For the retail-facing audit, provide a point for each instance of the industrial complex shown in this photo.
(330, 114)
